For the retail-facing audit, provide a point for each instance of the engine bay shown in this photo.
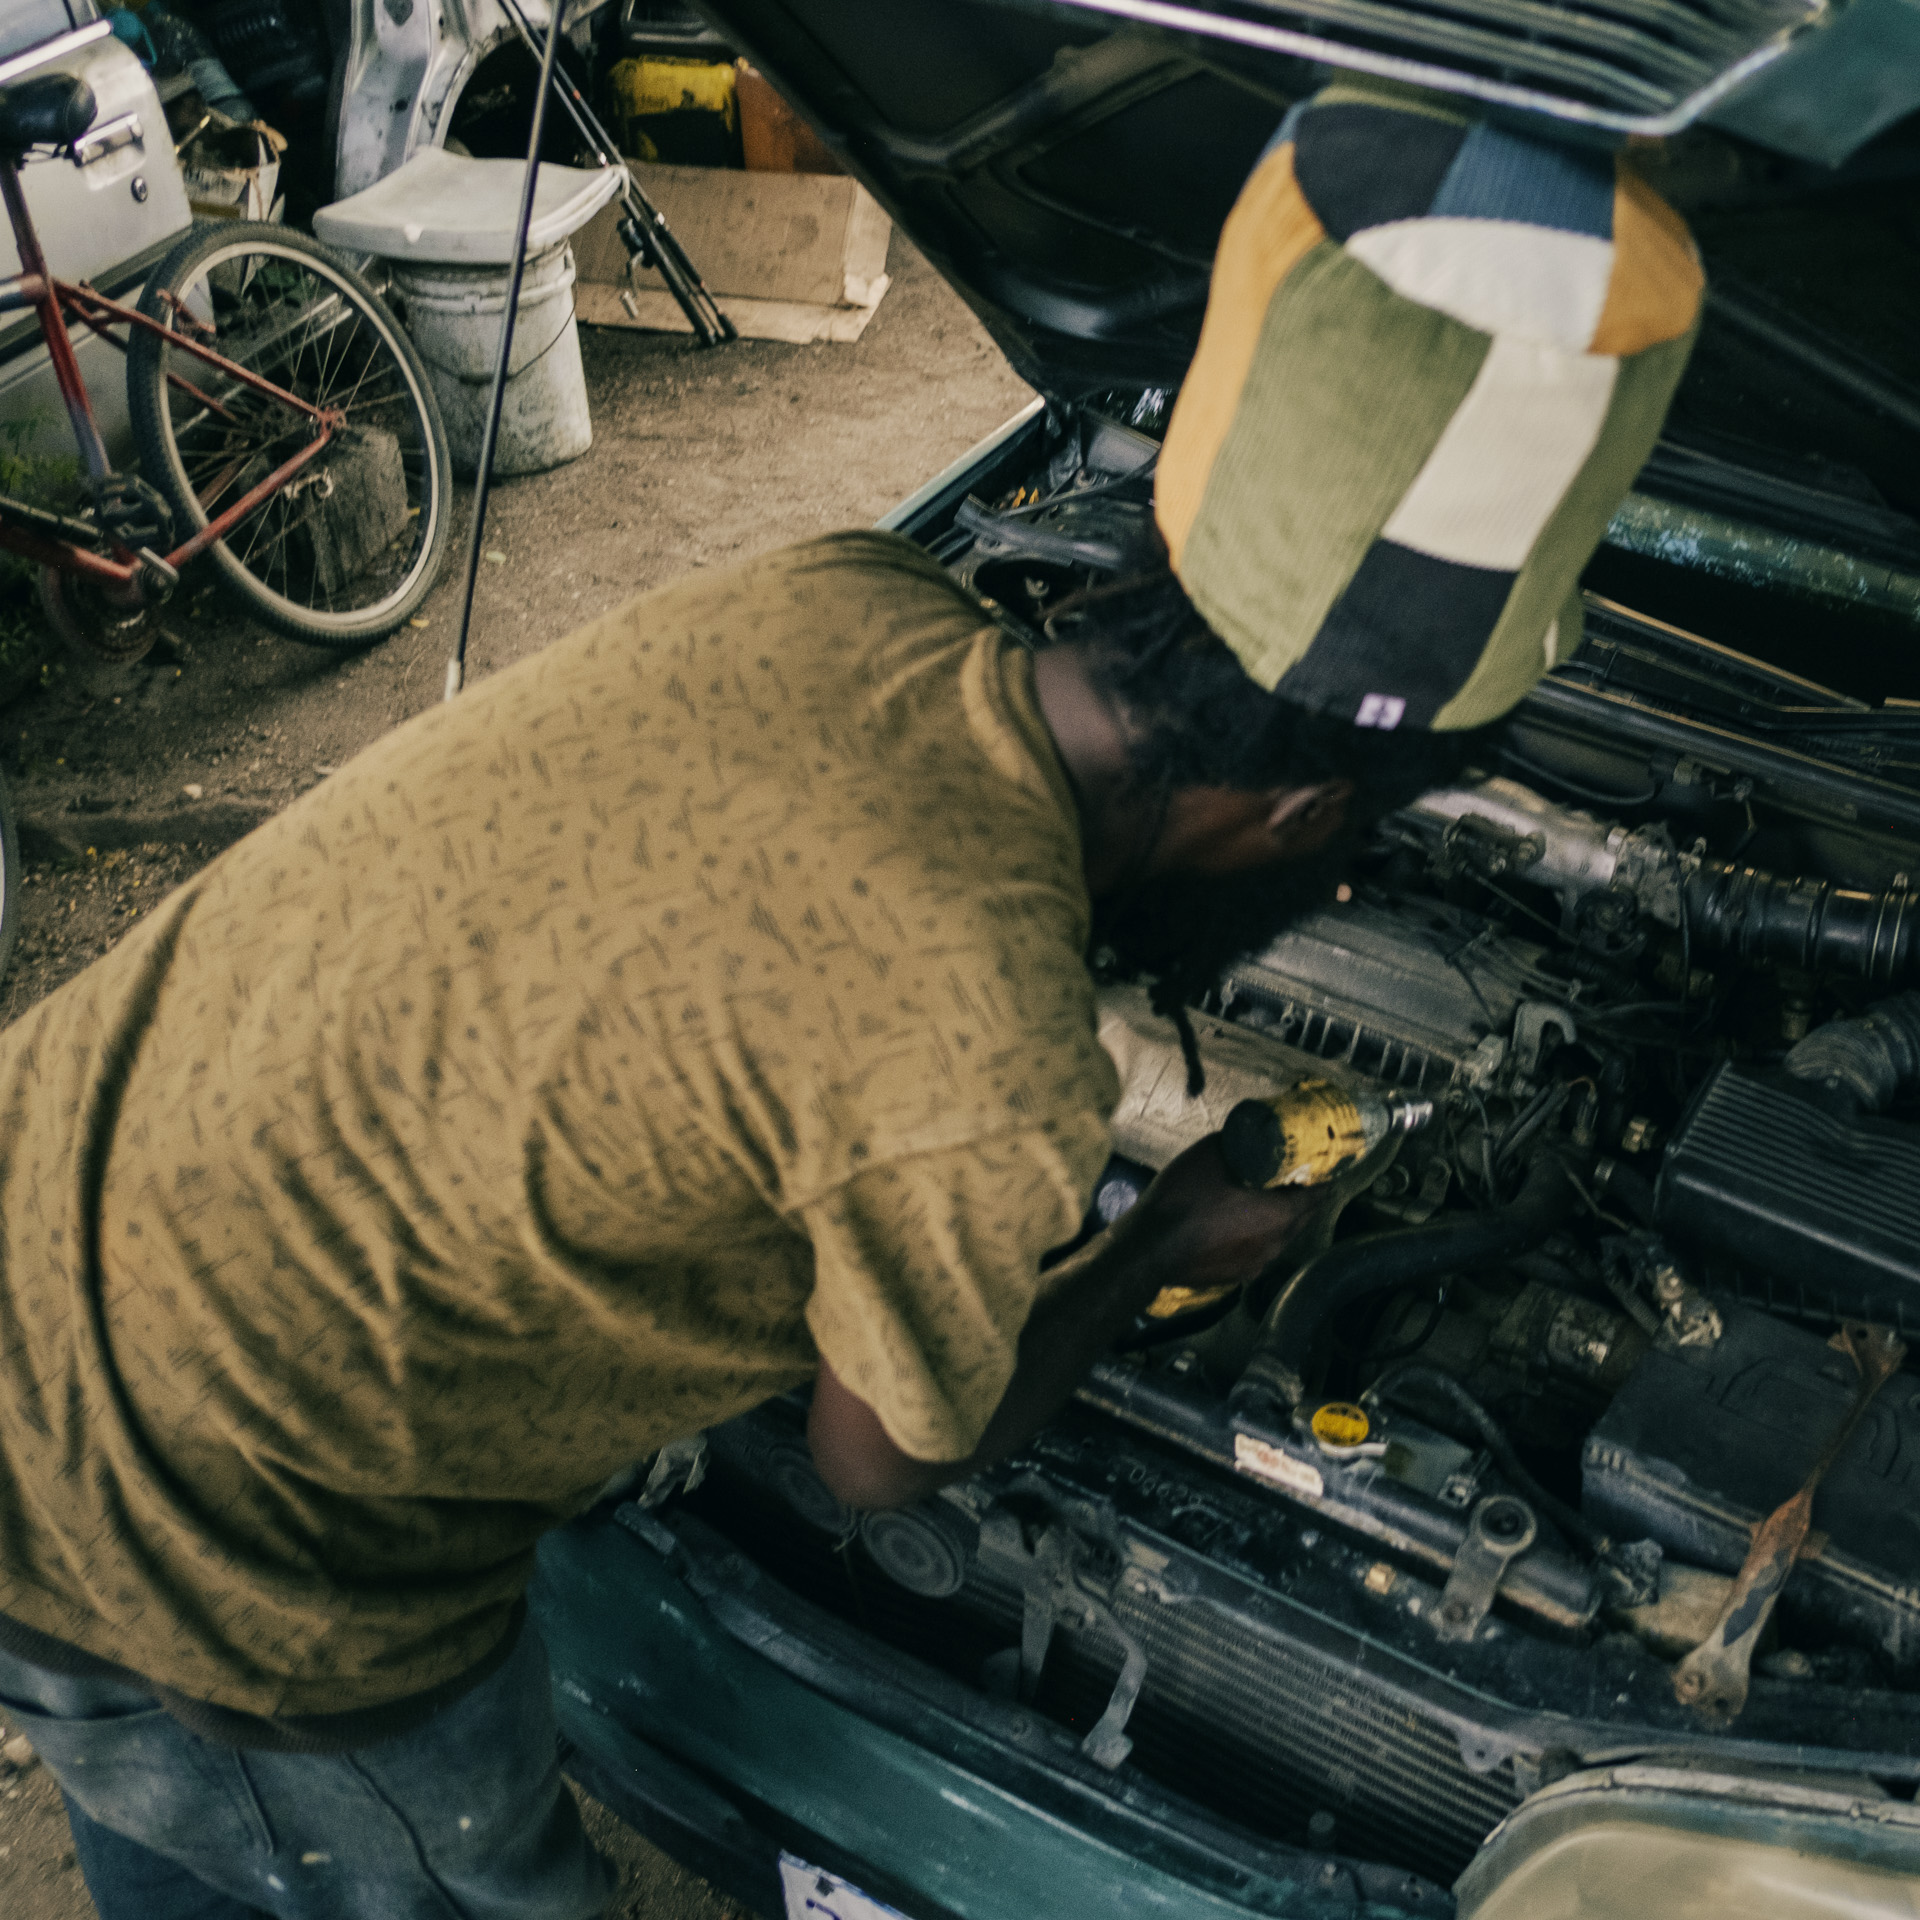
(1475, 1493)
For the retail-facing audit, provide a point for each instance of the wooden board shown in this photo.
(789, 256)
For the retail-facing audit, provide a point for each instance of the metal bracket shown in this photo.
(157, 579)
(1501, 1529)
(1058, 1584)
(1533, 1020)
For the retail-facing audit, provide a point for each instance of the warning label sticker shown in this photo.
(1270, 1463)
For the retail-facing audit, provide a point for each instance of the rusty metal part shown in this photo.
(1713, 1677)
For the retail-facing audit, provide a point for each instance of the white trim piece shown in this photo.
(49, 51)
(1500, 276)
(1505, 460)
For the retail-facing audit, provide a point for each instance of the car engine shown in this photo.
(1477, 1493)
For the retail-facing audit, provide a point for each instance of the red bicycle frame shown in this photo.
(53, 539)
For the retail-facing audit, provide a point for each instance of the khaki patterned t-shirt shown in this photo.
(570, 1072)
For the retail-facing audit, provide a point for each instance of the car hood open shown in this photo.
(1067, 164)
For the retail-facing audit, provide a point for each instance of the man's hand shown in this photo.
(1194, 1226)
(1210, 1231)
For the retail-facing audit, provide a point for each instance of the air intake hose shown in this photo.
(1805, 923)
(1275, 1378)
(1863, 1063)
(1503, 830)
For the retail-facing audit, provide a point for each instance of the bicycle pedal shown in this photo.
(132, 513)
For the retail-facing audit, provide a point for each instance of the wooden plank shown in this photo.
(762, 239)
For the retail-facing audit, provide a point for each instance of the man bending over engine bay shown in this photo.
(700, 1010)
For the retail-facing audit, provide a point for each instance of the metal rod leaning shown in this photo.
(457, 666)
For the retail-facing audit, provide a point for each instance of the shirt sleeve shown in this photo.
(926, 1268)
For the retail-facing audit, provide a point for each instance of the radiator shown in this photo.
(1263, 1734)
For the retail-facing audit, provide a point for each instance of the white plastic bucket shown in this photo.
(454, 314)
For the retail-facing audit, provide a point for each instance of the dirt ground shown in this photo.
(128, 779)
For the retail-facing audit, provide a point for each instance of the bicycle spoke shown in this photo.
(210, 497)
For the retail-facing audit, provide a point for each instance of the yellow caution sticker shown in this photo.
(1341, 1424)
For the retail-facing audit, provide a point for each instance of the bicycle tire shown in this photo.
(321, 554)
(9, 879)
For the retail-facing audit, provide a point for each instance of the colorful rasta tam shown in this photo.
(1435, 355)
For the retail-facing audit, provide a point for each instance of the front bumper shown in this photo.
(728, 1720)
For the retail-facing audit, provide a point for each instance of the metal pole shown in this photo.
(644, 232)
(476, 533)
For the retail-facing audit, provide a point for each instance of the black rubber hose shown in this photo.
(1864, 1063)
(1806, 923)
(1275, 1377)
(1634, 1191)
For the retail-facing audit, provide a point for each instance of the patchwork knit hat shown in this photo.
(1435, 355)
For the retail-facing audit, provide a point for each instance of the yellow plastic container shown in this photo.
(686, 112)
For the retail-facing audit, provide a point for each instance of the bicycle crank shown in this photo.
(117, 624)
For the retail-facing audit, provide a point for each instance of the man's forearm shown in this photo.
(1092, 1300)
(1089, 1301)
(1194, 1224)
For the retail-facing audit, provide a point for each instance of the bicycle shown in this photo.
(282, 418)
(280, 415)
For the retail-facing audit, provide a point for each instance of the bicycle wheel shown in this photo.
(351, 545)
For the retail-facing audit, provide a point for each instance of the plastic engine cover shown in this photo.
(1827, 1206)
(1702, 1442)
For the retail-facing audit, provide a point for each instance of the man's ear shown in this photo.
(1227, 830)
(1302, 821)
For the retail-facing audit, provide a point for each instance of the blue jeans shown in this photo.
(464, 1818)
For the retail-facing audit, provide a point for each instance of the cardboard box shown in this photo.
(789, 256)
(773, 137)
(232, 169)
